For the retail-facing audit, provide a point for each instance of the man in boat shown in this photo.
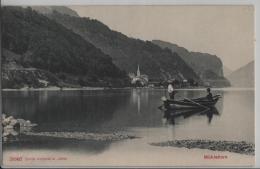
(209, 95)
(171, 90)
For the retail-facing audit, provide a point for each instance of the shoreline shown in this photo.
(73, 136)
(54, 88)
(240, 147)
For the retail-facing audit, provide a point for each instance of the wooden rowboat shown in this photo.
(191, 104)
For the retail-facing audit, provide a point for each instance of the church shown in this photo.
(139, 79)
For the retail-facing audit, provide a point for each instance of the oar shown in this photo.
(196, 103)
(219, 96)
(204, 110)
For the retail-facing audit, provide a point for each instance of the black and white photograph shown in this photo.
(128, 85)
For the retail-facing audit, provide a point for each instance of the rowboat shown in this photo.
(186, 112)
(190, 104)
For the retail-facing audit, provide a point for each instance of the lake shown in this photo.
(127, 110)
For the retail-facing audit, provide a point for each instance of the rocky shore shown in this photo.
(84, 136)
(240, 147)
(18, 129)
(13, 127)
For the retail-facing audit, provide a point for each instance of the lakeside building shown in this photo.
(139, 80)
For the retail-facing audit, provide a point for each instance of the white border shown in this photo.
(128, 2)
(256, 4)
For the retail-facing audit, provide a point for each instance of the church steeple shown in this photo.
(138, 71)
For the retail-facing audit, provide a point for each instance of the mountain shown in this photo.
(243, 77)
(200, 62)
(127, 53)
(31, 40)
(60, 9)
(208, 67)
(226, 71)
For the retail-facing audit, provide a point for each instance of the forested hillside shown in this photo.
(39, 42)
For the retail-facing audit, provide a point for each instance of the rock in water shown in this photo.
(13, 127)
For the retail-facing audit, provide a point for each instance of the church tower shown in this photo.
(138, 74)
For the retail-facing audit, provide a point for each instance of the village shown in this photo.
(142, 80)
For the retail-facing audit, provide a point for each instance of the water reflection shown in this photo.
(41, 143)
(171, 115)
(64, 111)
(107, 111)
(140, 96)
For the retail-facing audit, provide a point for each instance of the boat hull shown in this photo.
(192, 104)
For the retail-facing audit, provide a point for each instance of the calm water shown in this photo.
(132, 110)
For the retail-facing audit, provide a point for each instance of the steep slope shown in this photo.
(15, 76)
(50, 9)
(243, 77)
(127, 52)
(200, 62)
(38, 42)
(208, 67)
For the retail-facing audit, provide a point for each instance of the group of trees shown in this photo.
(46, 44)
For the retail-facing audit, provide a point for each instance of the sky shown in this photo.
(225, 31)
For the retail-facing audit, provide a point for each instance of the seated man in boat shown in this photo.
(171, 90)
(209, 95)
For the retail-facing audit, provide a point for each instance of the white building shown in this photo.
(142, 79)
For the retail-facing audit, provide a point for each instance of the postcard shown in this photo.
(128, 85)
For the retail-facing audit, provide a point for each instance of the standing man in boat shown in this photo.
(209, 96)
(171, 90)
